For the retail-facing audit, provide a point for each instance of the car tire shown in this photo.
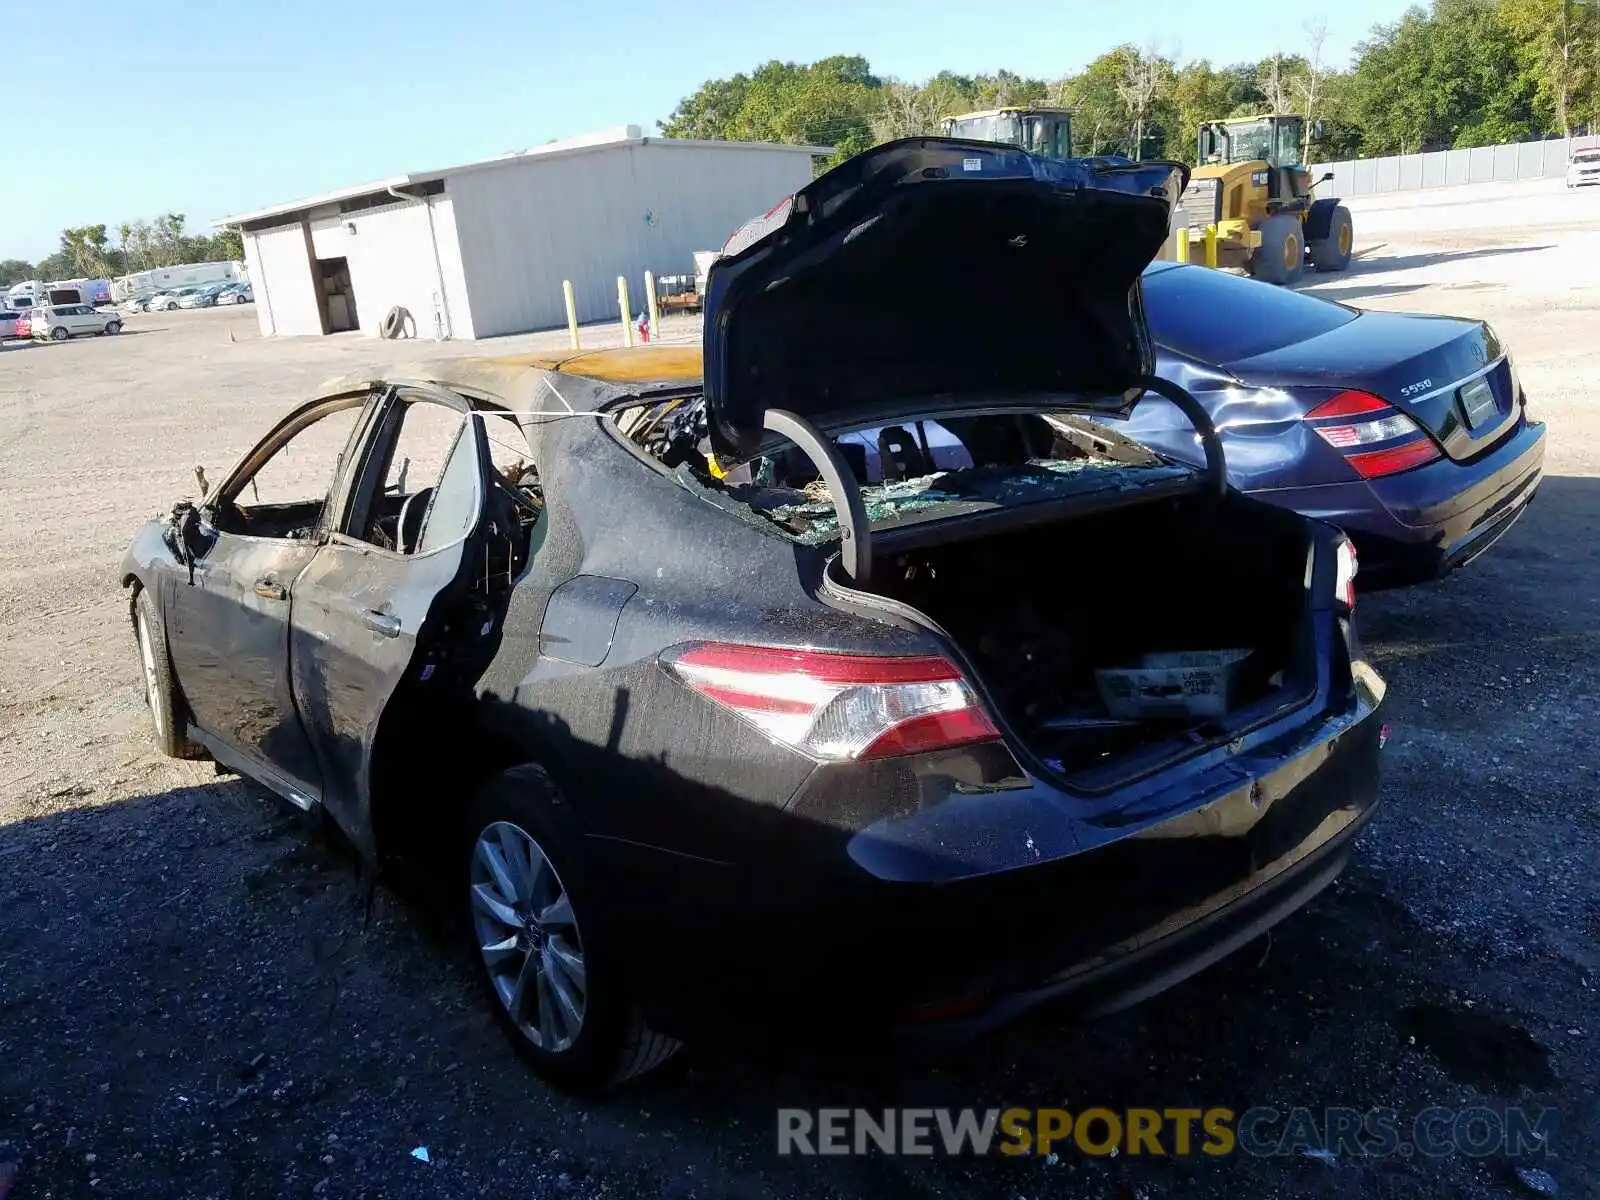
(113, 327)
(168, 718)
(519, 816)
(1332, 253)
(59, 334)
(1281, 256)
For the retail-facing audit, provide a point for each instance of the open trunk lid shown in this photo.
(934, 269)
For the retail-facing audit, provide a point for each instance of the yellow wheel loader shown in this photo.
(1252, 186)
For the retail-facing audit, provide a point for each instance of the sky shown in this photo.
(210, 109)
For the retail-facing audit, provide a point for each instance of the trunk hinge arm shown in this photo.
(1216, 461)
(855, 538)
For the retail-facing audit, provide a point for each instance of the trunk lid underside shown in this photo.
(934, 268)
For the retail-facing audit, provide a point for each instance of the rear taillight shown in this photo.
(1344, 574)
(1374, 437)
(838, 707)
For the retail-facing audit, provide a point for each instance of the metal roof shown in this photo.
(628, 135)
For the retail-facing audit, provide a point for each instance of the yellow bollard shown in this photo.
(625, 307)
(1180, 246)
(1211, 246)
(650, 305)
(572, 311)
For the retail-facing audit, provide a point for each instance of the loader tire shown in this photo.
(1281, 256)
(1332, 253)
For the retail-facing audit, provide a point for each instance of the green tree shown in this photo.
(56, 266)
(830, 102)
(227, 245)
(1005, 88)
(1100, 120)
(1441, 79)
(87, 251)
(1198, 94)
(1556, 45)
(15, 270)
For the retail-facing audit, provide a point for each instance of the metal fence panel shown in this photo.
(1516, 161)
(1388, 170)
(1556, 153)
(1344, 177)
(1505, 163)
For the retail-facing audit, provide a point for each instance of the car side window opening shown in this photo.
(286, 495)
(452, 511)
(422, 447)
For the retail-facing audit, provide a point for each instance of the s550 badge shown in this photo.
(1421, 385)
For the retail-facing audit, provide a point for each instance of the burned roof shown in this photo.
(517, 380)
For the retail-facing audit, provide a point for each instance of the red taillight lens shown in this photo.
(1379, 423)
(1375, 463)
(1349, 404)
(838, 707)
(1344, 577)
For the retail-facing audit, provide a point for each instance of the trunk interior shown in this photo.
(1038, 612)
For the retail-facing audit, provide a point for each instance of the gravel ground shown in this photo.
(194, 1000)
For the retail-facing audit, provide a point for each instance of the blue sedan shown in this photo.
(1410, 432)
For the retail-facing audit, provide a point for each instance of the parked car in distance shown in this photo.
(1409, 432)
(24, 324)
(163, 301)
(139, 303)
(203, 297)
(58, 322)
(236, 293)
(760, 739)
(8, 322)
(1583, 169)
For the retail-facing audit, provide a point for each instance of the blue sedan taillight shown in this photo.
(1353, 420)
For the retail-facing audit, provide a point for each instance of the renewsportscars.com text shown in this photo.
(1217, 1131)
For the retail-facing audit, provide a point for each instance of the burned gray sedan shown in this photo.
(844, 679)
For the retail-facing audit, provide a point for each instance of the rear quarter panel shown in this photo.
(646, 760)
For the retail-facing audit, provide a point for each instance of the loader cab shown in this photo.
(1276, 141)
(1046, 132)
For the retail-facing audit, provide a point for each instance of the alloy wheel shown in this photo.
(152, 684)
(528, 935)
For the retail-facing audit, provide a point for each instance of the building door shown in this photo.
(334, 275)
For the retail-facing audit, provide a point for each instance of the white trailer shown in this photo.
(161, 279)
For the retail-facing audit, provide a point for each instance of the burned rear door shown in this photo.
(363, 604)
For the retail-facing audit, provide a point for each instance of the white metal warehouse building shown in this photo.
(482, 249)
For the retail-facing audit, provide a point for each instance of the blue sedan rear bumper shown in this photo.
(1424, 523)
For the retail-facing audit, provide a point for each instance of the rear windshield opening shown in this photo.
(911, 470)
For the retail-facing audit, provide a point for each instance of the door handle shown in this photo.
(271, 589)
(384, 623)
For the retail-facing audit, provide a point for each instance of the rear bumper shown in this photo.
(1156, 892)
(1101, 989)
(1425, 523)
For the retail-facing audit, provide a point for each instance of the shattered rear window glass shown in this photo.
(917, 469)
(812, 519)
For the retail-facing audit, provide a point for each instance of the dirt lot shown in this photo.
(191, 1003)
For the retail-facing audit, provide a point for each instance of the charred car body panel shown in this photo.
(817, 761)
